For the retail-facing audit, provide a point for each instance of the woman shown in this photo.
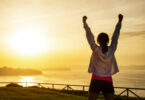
(102, 63)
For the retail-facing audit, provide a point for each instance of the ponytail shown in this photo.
(104, 48)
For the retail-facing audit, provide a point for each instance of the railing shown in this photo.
(68, 87)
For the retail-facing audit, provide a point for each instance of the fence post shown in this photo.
(52, 86)
(127, 89)
(67, 87)
(39, 85)
(83, 88)
(26, 84)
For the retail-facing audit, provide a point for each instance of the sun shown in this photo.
(29, 41)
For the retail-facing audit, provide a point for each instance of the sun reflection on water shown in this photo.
(28, 81)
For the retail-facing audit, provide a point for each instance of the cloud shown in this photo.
(133, 67)
(133, 34)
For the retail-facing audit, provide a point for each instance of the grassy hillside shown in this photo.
(13, 93)
(20, 93)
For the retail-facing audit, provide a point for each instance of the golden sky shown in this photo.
(49, 33)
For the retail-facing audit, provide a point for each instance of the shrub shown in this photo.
(13, 85)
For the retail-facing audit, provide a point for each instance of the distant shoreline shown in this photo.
(8, 71)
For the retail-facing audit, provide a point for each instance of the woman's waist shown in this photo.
(108, 78)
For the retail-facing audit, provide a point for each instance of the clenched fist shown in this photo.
(84, 18)
(120, 16)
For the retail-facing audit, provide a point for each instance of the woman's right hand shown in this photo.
(120, 16)
(84, 18)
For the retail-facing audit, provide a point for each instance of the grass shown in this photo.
(18, 93)
(23, 93)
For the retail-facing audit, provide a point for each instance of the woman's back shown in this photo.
(103, 64)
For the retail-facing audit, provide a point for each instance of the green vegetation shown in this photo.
(35, 93)
(19, 93)
(13, 85)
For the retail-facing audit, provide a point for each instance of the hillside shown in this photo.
(13, 93)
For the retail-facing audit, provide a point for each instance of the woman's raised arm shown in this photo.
(89, 35)
(116, 32)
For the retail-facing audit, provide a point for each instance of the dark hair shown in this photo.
(103, 40)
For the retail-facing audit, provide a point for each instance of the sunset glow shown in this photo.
(43, 32)
(27, 81)
(28, 42)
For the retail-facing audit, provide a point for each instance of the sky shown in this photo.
(49, 33)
